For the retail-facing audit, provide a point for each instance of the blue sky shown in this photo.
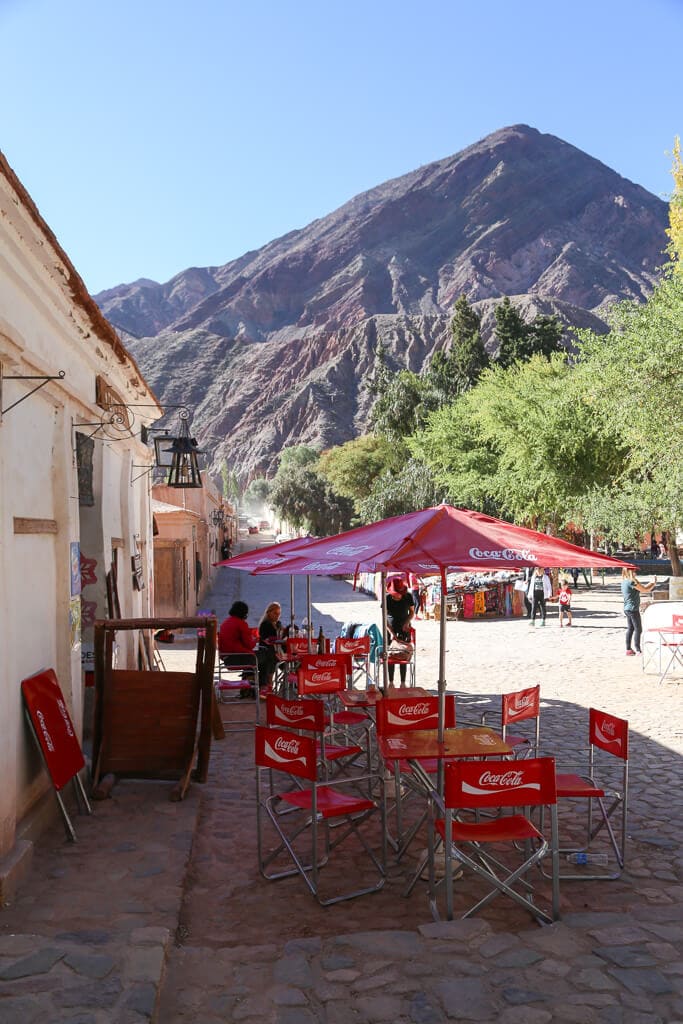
(155, 136)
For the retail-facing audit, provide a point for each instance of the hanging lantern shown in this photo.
(184, 471)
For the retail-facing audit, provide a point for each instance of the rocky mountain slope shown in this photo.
(272, 349)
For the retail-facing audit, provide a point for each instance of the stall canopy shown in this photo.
(433, 541)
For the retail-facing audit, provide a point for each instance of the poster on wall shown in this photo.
(75, 563)
(75, 622)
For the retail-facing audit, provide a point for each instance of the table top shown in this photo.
(675, 630)
(470, 741)
(368, 698)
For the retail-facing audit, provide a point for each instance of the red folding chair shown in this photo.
(357, 649)
(323, 676)
(410, 660)
(304, 834)
(517, 707)
(295, 647)
(393, 717)
(236, 676)
(601, 782)
(478, 845)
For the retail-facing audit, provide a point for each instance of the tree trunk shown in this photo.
(670, 542)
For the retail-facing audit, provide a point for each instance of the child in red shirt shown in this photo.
(564, 600)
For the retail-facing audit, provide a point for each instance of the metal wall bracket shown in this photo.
(43, 378)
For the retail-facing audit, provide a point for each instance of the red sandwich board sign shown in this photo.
(55, 735)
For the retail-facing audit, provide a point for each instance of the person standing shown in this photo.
(539, 591)
(400, 611)
(564, 601)
(415, 584)
(631, 589)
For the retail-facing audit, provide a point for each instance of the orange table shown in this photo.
(470, 741)
(368, 698)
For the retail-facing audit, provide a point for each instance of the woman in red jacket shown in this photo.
(236, 639)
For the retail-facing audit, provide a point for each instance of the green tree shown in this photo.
(524, 443)
(305, 499)
(510, 333)
(257, 493)
(352, 468)
(409, 490)
(403, 402)
(518, 340)
(297, 456)
(453, 372)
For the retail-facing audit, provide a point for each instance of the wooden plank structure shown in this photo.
(150, 724)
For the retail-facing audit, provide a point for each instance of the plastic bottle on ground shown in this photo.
(581, 857)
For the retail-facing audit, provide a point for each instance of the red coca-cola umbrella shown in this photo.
(272, 555)
(432, 541)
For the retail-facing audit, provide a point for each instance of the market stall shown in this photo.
(477, 595)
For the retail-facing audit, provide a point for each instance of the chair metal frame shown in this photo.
(223, 686)
(411, 674)
(324, 676)
(607, 735)
(472, 786)
(320, 807)
(404, 714)
(358, 650)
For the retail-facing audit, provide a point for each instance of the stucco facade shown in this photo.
(74, 491)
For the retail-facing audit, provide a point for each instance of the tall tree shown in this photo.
(518, 340)
(353, 467)
(452, 372)
(510, 332)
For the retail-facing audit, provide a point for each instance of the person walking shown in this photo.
(631, 589)
(539, 591)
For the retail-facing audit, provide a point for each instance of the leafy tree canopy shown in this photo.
(352, 468)
(305, 499)
(409, 490)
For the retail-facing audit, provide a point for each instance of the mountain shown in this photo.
(271, 349)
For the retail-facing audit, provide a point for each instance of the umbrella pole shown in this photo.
(309, 630)
(442, 673)
(292, 618)
(385, 666)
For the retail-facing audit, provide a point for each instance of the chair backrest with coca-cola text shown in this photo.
(285, 751)
(677, 621)
(521, 704)
(307, 714)
(295, 646)
(358, 647)
(474, 784)
(321, 674)
(355, 650)
(609, 733)
(397, 714)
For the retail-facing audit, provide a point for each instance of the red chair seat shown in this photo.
(574, 785)
(350, 718)
(509, 828)
(233, 684)
(331, 803)
(334, 751)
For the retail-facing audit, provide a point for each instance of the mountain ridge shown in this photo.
(518, 213)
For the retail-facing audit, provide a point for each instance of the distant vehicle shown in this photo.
(264, 525)
(282, 537)
(253, 528)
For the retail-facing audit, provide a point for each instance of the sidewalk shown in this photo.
(158, 912)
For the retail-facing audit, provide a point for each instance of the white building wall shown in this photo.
(47, 324)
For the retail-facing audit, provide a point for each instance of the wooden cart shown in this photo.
(151, 724)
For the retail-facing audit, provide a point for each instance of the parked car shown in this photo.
(253, 528)
(264, 525)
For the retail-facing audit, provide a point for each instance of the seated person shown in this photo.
(400, 611)
(235, 637)
(268, 652)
